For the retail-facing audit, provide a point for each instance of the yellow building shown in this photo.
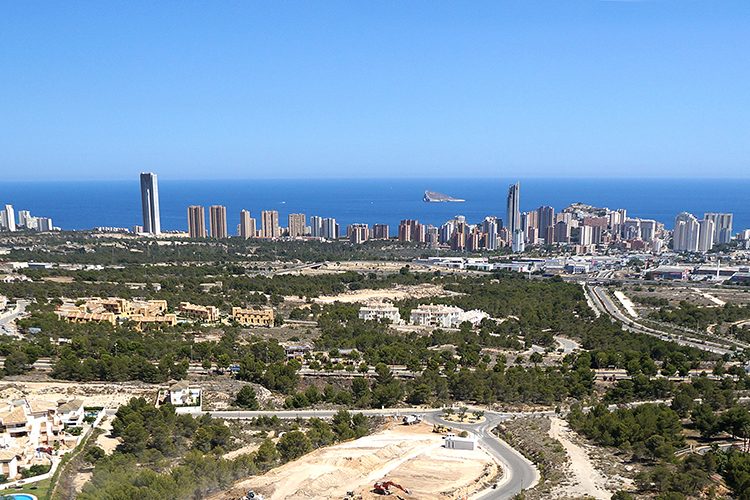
(111, 309)
(142, 321)
(81, 315)
(207, 314)
(253, 317)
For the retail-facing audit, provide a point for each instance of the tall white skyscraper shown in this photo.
(514, 218)
(686, 233)
(9, 218)
(150, 203)
(316, 226)
(706, 235)
(330, 229)
(43, 224)
(722, 225)
(489, 227)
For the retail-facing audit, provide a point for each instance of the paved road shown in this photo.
(9, 317)
(602, 301)
(519, 473)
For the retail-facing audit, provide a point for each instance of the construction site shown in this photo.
(402, 461)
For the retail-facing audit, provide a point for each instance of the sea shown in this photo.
(76, 205)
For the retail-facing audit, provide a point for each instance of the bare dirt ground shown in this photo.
(626, 303)
(104, 440)
(409, 455)
(583, 478)
(109, 395)
(397, 292)
(572, 469)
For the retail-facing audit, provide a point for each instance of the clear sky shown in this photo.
(218, 89)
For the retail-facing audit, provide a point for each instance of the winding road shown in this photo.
(518, 472)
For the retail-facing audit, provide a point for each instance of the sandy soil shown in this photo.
(104, 440)
(585, 479)
(626, 303)
(716, 301)
(398, 292)
(409, 455)
(241, 451)
(110, 395)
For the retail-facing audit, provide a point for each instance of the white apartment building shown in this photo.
(376, 312)
(436, 315)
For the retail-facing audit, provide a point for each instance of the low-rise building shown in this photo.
(668, 273)
(380, 311)
(253, 317)
(77, 315)
(142, 322)
(8, 464)
(207, 314)
(112, 309)
(72, 413)
(296, 351)
(453, 442)
(436, 315)
(185, 397)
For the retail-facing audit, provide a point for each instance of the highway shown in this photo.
(603, 303)
(518, 472)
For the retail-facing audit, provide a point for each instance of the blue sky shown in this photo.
(104, 90)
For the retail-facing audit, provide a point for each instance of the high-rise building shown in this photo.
(649, 229)
(316, 226)
(514, 217)
(686, 233)
(545, 218)
(411, 230)
(297, 223)
(150, 203)
(247, 225)
(217, 221)
(358, 233)
(562, 232)
(513, 207)
(489, 228)
(631, 229)
(330, 230)
(25, 219)
(706, 235)
(433, 236)
(196, 221)
(585, 235)
(380, 232)
(44, 224)
(269, 224)
(8, 218)
(722, 225)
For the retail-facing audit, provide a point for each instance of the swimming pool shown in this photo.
(19, 496)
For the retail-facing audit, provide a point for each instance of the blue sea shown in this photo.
(83, 205)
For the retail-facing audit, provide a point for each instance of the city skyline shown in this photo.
(542, 88)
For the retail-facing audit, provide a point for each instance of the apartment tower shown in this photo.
(196, 221)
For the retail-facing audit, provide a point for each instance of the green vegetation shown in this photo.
(166, 455)
(650, 431)
(692, 316)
